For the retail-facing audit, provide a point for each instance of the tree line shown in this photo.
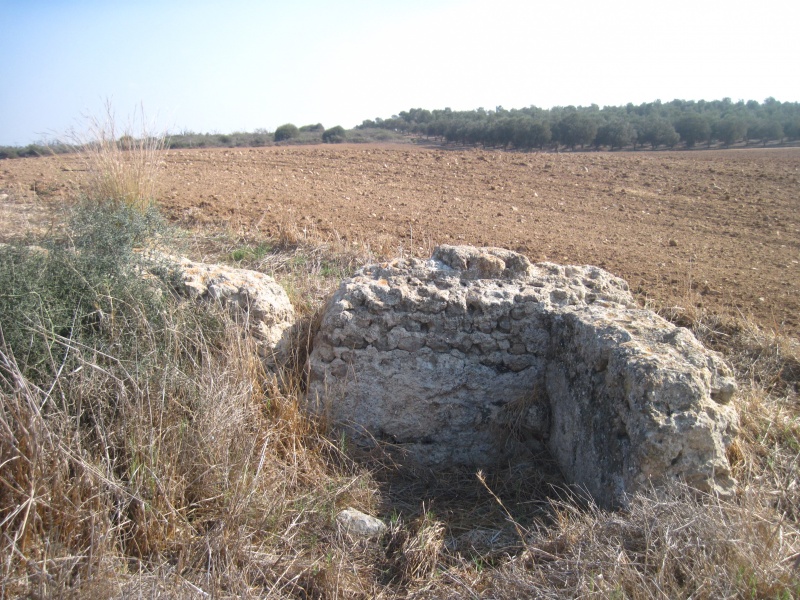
(679, 123)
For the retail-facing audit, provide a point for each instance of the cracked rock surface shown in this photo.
(255, 299)
(476, 356)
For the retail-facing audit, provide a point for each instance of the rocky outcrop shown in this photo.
(477, 356)
(254, 298)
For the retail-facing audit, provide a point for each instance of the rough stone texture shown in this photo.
(359, 524)
(252, 296)
(477, 355)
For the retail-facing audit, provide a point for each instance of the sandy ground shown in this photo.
(716, 230)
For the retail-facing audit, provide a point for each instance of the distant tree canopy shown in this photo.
(616, 133)
(286, 132)
(678, 123)
(693, 128)
(765, 130)
(657, 124)
(576, 128)
(312, 128)
(334, 135)
(657, 131)
(730, 129)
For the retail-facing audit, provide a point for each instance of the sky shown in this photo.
(242, 65)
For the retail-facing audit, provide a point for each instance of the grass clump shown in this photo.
(248, 253)
(122, 163)
(667, 544)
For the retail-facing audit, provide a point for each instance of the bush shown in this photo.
(692, 128)
(730, 130)
(137, 427)
(312, 128)
(367, 136)
(72, 291)
(334, 135)
(286, 132)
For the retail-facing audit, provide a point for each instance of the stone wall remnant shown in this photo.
(476, 356)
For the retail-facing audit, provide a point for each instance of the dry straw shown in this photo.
(122, 162)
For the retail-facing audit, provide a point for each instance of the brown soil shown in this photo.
(715, 230)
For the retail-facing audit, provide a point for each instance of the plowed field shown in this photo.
(718, 230)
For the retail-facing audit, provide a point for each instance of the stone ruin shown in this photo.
(477, 357)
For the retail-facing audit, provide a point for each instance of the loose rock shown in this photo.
(255, 298)
(357, 523)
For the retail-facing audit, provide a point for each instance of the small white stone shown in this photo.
(357, 523)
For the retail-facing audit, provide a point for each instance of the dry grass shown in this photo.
(165, 461)
(309, 266)
(667, 545)
(122, 163)
(199, 475)
(202, 473)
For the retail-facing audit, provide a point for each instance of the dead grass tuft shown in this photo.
(414, 552)
(762, 357)
(202, 471)
(666, 545)
(122, 163)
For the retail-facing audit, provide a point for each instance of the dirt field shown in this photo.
(718, 230)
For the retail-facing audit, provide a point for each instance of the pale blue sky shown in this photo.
(241, 65)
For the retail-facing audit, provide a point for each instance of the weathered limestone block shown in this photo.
(477, 355)
(634, 400)
(255, 298)
(358, 524)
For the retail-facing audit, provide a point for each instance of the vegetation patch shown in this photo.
(145, 451)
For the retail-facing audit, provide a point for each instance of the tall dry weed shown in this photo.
(667, 544)
(122, 161)
(198, 467)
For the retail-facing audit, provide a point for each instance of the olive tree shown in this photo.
(692, 128)
(575, 129)
(730, 130)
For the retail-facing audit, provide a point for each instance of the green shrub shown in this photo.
(250, 253)
(371, 135)
(286, 132)
(84, 290)
(334, 135)
(312, 128)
